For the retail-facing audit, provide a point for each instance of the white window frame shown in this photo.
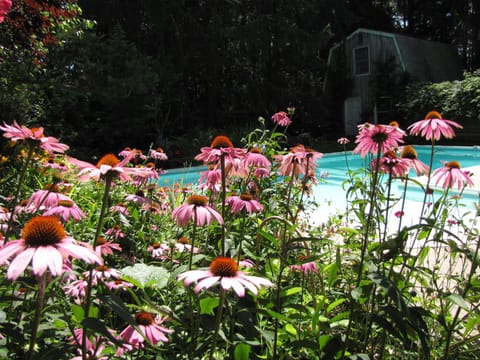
(355, 60)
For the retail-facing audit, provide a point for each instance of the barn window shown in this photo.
(361, 60)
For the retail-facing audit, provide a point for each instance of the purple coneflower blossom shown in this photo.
(391, 164)
(451, 175)
(244, 202)
(152, 330)
(119, 208)
(343, 141)
(105, 247)
(45, 244)
(77, 289)
(5, 215)
(17, 132)
(375, 138)
(246, 263)
(255, 158)
(119, 284)
(66, 209)
(157, 154)
(261, 173)
(46, 198)
(137, 198)
(236, 167)
(211, 180)
(224, 270)
(220, 147)
(158, 250)
(196, 209)
(433, 127)
(103, 273)
(305, 268)
(116, 232)
(409, 153)
(281, 118)
(94, 348)
(298, 161)
(108, 164)
(52, 164)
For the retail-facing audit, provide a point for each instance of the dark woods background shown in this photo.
(102, 75)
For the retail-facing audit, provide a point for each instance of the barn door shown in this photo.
(352, 108)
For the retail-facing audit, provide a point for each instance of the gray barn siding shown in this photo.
(381, 48)
(423, 60)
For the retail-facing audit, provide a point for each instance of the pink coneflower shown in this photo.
(197, 209)
(244, 202)
(255, 158)
(297, 161)
(183, 245)
(281, 118)
(450, 175)
(138, 198)
(119, 208)
(157, 154)
(52, 164)
(103, 273)
(211, 179)
(45, 244)
(119, 284)
(151, 327)
(305, 268)
(46, 198)
(220, 147)
(105, 247)
(224, 270)
(159, 250)
(94, 348)
(5, 215)
(433, 127)
(107, 165)
(33, 136)
(261, 173)
(409, 153)
(391, 164)
(77, 289)
(246, 263)
(375, 138)
(66, 209)
(343, 141)
(5, 6)
(115, 232)
(236, 167)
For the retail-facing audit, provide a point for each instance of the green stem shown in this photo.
(18, 191)
(364, 245)
(194, 235)
(88, 296)
(468, 284)
(224, 190)
(218, 321)
(427, 186)
(242, 234)
(42, 282)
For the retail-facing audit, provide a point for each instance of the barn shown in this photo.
(369, 65)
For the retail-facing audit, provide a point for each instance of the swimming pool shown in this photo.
(332, 167)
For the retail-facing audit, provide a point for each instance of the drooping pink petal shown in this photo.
(20, 263)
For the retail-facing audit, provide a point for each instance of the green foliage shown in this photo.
(459, 100)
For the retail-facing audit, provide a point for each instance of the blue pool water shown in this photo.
(333, 167)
